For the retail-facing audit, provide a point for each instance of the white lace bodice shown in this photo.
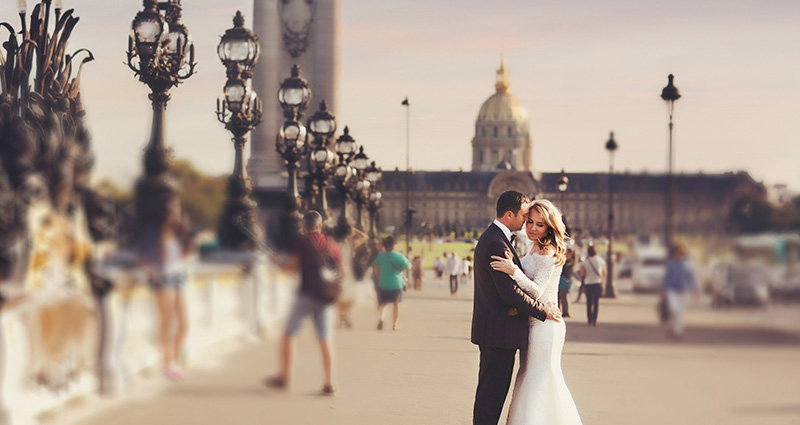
(539, 276)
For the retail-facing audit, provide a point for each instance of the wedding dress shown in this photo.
(541, 396)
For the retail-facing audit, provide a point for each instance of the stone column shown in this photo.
(319, 63)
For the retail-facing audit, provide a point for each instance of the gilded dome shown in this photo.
(502, 106)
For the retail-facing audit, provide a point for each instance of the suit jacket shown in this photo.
(496, 293)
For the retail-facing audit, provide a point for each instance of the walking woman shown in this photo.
(592, 270)
(678, 282)
(162, 251)
(389, 267)
(349, 241)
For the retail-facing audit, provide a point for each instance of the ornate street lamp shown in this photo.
(373, 206)
(611, 147)
(563, 184)
(360, 163)
(373, 175)
(294, 95)
(344, 174)
(161, 54)
(670, 94)
(322, 125)
(239, 49)
(239, 108)
(292, 139)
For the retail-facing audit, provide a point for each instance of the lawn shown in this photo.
(431, 250)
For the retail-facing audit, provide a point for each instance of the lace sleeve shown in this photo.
(533, 287)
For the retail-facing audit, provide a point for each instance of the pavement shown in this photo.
(735, 366)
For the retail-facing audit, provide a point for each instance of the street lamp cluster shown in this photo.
(239, 108)
(352, 173)
(161, 54)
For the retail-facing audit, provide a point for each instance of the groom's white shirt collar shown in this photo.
(504, 229)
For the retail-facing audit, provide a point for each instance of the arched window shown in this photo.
(510, 132)
(483, 131)
(480, 157)
(495, 132)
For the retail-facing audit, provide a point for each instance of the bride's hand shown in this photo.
(504, 265)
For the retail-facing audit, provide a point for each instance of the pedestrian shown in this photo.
(678, 282)
(349, 240)
(162, 251)
(416, 273)
(438, 266)
(565, 283)
(453, 268)
(466, 268)
(310, 254)
(592, 271)
(389, 267)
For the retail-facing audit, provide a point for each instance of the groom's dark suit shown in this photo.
(498, 335)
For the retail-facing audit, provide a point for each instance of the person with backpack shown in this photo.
(389, 267)
(592, 271)
(319, 262)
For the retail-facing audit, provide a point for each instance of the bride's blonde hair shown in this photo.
(553, 240)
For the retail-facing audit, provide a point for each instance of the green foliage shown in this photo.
(203, 196)
(752, 214)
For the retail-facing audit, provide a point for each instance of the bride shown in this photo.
(540, 394)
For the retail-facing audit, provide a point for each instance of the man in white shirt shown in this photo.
(453, 267)
(592, 270)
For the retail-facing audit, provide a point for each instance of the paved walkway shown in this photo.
(734, 367)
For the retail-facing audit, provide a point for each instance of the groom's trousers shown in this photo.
(494, 380)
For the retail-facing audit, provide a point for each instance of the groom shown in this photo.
(498, 334)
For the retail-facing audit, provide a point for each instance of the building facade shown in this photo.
(444, 202)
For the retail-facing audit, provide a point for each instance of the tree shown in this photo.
(202, 196)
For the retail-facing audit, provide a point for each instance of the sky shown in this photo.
(583, 68)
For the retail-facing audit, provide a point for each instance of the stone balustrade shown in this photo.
(58, 347)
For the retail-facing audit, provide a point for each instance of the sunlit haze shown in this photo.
(582, 69)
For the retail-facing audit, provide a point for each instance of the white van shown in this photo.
(649, 266)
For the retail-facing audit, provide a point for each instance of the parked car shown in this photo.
(740, 283)
(648, 268)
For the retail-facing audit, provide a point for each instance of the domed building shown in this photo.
(501, 130)
(455, 202)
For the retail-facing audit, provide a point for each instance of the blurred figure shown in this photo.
(416, 273)
(349, 241)
(453, 267)
(438, 266)
(592, 271)
(466, 269)
(565, 283)
(162, 252)
(389, 267)
(678, 282)
(309, 254)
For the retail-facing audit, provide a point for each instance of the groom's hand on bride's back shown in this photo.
(553, 312)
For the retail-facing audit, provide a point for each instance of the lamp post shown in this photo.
(322, 126)
(670, 94)
(611, 147)
(374, 176)
(239, 108)
(291, 140)
(161, 54)
(361, 187)
(562, 184)
(344, 174)
(409, 212)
